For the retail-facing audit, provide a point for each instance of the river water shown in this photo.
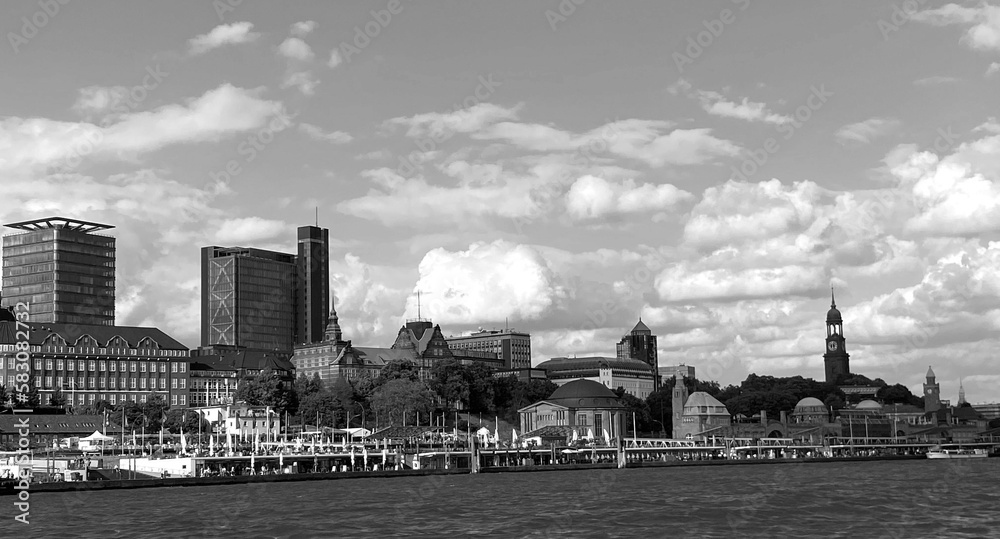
(847, 499)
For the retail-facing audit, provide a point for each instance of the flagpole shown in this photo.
(123, 431)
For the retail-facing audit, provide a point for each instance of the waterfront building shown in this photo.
(320, 358)
(701, 412)
(640, 344)
(244, 422)
(932, 392)
(584, 406)
(677, 372)
(313, 284)
(836, 359)
(990, 410)
(425, 341)
(216, 371)
(62, 269)
(91, 363)
(46, 430)
(248, 298)
(634, 376)
(810, 410)
(512, 346)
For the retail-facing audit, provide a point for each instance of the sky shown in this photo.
(561, 168)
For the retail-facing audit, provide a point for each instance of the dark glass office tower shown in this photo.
(313, 284)
(62, 269)
(248, 298)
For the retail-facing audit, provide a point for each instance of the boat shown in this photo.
(959, 453)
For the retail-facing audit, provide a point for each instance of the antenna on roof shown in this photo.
(317, 216)
(418, 304)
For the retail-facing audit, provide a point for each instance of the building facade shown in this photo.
(90, 363)
(216, 371)
(632, 375)
(701, 412)
(932, 392)
(248, 298)
(584, 406)
(513, 347)
(640, 344)
(836, 359)
(313, 284)
(62, 270)
(677, 372)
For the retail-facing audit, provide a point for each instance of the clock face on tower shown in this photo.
(832, 346)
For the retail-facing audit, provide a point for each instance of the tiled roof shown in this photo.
(237, 360)
(378, 357)
(552, 431)
(562, 364)
(102, 334)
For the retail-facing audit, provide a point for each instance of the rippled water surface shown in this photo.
(851, 499)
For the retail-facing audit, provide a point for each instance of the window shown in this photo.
(103, 365)
(133, 366)
(173, 383)
(183, 367)
(90, 383)
(163, 383)
(132, 385)
(142, 366)
(38, 364)
(142, 383)
(114, 366)
(10, 363)
(142, 398)
(48, 381)
(173, 367)
(91, 398)
(183, 383)
(124, 366)
(92, 365)
(183, 400)
(48, 364)
(114, 398)
(59, 381)
(112, 382)
(59, 365)
(102, 383)
(173, 400)
(163, 367)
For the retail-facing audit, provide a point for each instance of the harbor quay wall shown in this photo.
(243, 479)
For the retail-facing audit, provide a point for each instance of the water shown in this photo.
(848, 499)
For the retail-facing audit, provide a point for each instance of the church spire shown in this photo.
(961, 393)
(333, 332)
(833, 300)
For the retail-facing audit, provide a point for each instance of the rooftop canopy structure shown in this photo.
(59, 222)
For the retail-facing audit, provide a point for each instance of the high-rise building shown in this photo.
(836, 359)
(248, 298)
(62, 269)
(513, 347)
(313, 284)
(677, 372)
(640, 344)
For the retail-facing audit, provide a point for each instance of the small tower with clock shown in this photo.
(932, 392)
(836, 358)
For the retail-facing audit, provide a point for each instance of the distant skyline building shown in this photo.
(640, 344)
(836, 359)
(629, 374)
(62, 269)
(313, 284)
(678, 372)
(513, 347)
(248, 298)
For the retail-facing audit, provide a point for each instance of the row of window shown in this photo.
(115, 398)
(81, 383)
(104, 365)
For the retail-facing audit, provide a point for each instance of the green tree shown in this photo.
(637, 409)
(450, 380)
(57, 398)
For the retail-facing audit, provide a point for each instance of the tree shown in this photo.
(661, 407)
(267, 389)
(895, 394)
(643, 420)
(179, 420)
(450, 380)
(401, 398)
(57, 399)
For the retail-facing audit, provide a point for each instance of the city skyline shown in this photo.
(715, 167)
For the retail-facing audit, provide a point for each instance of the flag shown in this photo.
(183, 443)
(607, 437)
(513, 437)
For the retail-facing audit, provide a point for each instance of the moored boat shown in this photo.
(938, 453)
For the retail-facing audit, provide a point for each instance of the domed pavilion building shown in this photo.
(584, 406)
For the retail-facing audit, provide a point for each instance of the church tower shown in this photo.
(836, 358)
(932, 393)
(678, 398)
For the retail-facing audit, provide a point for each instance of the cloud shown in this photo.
(591, 197)
(487, 282)
(28, 142)
(982, 23)
(224, 34)
(649, 141)
(335, 59)
(295, 49)
(683, 283)
(242, 231)
(317, 133)
(97, 100)
(467, 120)
(993, 69)
(303, 28)
(304, 81)
(717, 104)
(866, 131)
